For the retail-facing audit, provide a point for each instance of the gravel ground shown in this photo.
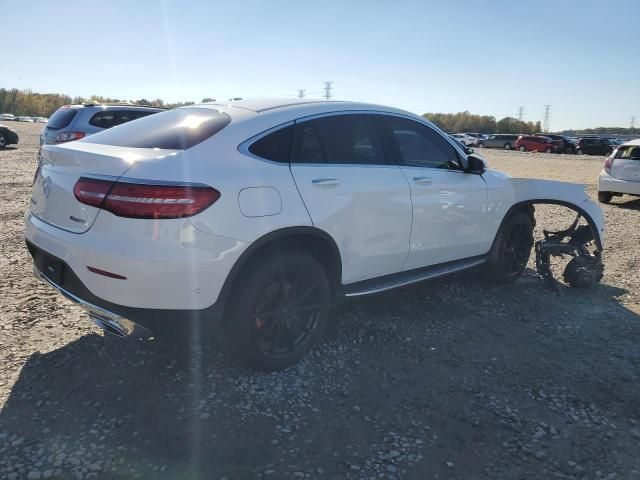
(455, 378)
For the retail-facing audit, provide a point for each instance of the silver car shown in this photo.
(498, 140)
(73, 122)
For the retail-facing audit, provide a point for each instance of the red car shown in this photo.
(531, 143)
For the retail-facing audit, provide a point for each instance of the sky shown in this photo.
(581, 57)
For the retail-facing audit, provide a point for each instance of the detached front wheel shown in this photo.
(278, 311)
(511, 248)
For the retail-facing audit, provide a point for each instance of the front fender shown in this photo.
(507, 194)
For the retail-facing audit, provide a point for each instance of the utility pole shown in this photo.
(520, 113)
(301, 92)
(547, 115)
(633, 122)
(327, 89)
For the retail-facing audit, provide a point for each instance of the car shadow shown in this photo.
(629, 205)
(100, 407)
(8, 148)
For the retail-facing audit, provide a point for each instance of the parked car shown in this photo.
(464, 139)
(621, 172)
(499, 140)
(7, 116)
(73, 122)
(564, 144)
(41, 119)
(477, 136)
(8, 136)
(531, 143)
(249, 217)
(594, 146)
(24, 118)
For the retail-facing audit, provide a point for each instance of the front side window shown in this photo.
(338, 139)
(420, 146)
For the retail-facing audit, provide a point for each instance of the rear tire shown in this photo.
(507, 146)
(547, 150)
(480, 145)
(522, 148)
(3, 141)
(278, 312)
(605, 197)
(511, 248)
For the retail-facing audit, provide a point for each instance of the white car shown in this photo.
(621, 172)
(465, 139)
(7, 116)
(251, 216)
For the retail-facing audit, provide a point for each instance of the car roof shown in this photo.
(259, 105)
(298, 105)
(114, 106)
(635, 142)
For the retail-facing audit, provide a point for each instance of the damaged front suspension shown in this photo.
(583, 270)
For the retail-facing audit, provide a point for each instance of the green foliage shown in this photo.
(26, 102)
(468, 122)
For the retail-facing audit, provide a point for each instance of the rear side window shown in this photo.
(275, 146)
(61, 118)
(420, 146)
(103, 119)
(338, 139)
(111, 118)
(630, 152)
(177, 129)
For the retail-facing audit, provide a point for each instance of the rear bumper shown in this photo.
(121, 320)
(167, 265)
(607, 183)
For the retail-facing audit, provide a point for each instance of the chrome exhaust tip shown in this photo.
(108, 326)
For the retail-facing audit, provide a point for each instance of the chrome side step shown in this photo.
(389, 282)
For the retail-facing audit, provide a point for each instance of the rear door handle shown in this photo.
(325, 182)
(420, 180)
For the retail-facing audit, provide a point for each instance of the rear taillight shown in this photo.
(68, 137)
(608, 162)
(139, 200)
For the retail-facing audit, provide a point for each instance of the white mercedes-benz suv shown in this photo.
(251, 216)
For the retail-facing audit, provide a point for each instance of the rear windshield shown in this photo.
(177, 129)
(61, 118)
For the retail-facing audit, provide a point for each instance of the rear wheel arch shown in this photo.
(310, 240)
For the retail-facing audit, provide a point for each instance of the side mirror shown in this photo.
(475, 165)
(469, 150)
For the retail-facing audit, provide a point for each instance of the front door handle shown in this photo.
(325, 182)
(421, 180)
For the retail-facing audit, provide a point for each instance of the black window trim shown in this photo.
(391, 159)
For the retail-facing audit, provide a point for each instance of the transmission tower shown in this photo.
(632, 124)
(520, 113)
(301, 92)
(547, 115)
(327, 89)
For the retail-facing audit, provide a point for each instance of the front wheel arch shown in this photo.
(530, 204)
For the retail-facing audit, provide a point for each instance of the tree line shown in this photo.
(468, 122)
(26, 102)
